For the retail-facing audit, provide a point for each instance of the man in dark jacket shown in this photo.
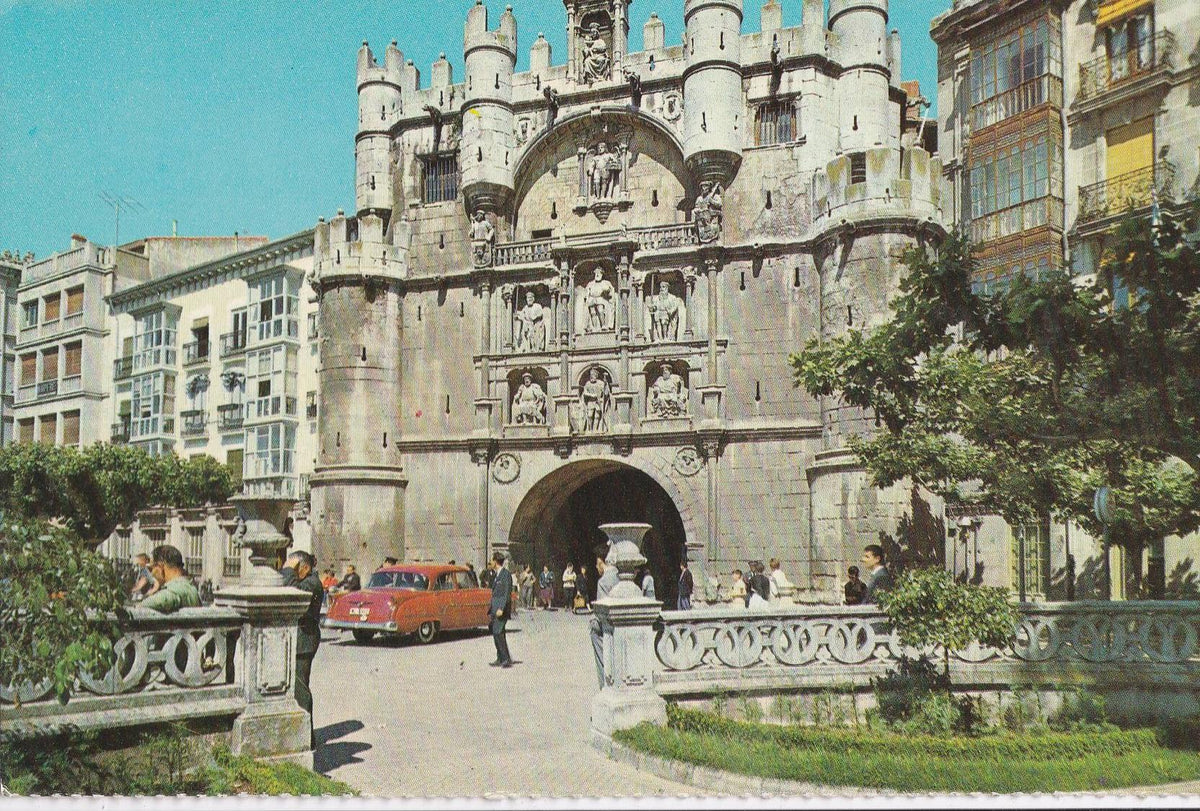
(879, 579)
(300, 572)
(500, 609)
(684, 602)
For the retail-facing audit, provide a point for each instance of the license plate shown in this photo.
(361, 613)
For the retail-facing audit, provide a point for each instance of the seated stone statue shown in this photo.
(596, 62)
(529, 403)
(668, 394)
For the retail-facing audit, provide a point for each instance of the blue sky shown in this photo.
(234, 116)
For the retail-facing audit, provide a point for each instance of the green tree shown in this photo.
(1024, 401)
(929, 608)
(55, 595)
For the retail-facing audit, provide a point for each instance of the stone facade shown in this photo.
(559, 236)
(1093, 105)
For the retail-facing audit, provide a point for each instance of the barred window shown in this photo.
(1030, 556)
(858, 167)
(441, 177)
(775, 122)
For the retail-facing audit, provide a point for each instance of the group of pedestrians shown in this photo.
(536, 590)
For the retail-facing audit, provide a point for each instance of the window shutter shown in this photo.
(28, 369)
(73, 360)
(53, 307)
(50, 364)
(74, 300)
(71, 428)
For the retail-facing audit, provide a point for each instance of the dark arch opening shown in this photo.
(558, 522)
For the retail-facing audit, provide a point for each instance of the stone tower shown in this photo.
(712, 88)
(488, 143)
(358, 264)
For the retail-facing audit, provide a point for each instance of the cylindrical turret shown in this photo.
(860, 31)
(487, 149)
(712, 88)
(380, 105)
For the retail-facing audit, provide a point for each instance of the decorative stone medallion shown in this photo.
(687, 462)
(506, 468)
(672, 106)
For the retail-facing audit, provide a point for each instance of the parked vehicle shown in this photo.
(417, 599)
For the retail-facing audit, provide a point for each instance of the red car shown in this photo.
(416, 598)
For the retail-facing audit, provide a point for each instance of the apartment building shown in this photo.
(1058, 119)
(10, 280)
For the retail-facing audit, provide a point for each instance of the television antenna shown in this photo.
(117, 202)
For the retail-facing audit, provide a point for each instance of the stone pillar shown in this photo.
(623, 312)
(485, 336)
(481, 456)
(273, 725)
(711, 266)
(637, 307)
(627, 618)
(689, 293)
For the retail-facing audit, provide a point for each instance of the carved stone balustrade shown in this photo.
(193, 663)
(1144, 656)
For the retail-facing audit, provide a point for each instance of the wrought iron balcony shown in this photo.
(1154, 53)
(1130, 191)
(233, 343)
(310, 411)
(195, 352)
(123, 367)
(193, 422)
(47, 388)
(230, 416)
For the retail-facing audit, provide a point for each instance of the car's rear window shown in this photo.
(466, 580)
(414, 581)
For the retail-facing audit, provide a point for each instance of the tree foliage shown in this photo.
(930, 608)
(1025, 400)
(91, 491)
(55, 595)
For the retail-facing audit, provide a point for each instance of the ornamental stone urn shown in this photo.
(262, 520)
(627, 620)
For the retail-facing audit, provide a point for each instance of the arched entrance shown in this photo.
(557, 521)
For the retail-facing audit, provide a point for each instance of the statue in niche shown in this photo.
(529, 403)
(707, 213)
(483, 237)
(531, 320)
(604, 172)
(596, 399)
(665, 308)
(668, 394)
(596, 63)
(599, 303)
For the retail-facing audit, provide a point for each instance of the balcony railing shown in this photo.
(70, 385)
(1132, 190)
(1152, 54)
(193, 422)
(524, 253)
(232, 567)
(47, 388)
(123, 367)
(310, 411)
(195, 352)
(1025, 96)
(120, 432)
(262, 407)
(281, 486)
(230, 416)
(233, 343)
(667, 236)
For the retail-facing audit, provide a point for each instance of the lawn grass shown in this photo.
(1002, 762)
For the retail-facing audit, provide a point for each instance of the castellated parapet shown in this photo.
(357, 249)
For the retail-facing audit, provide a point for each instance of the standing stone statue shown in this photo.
(596, 63)
(529, 402)
(531, 335)
(707, 213)
(665, 308)
(668, 394)
(483, 236)
(598, 301)
(596, 399)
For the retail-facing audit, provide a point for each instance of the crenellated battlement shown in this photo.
(878, 182)
(390, 72)
(476, 34)
(356, 248)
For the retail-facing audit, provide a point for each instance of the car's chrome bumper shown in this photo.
(358, 626)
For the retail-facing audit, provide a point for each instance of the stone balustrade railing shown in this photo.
(234, 661)
(1146, 653)
(661, 237)
(523, 253)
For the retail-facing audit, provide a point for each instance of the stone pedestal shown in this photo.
(628, 697)
(273, 725)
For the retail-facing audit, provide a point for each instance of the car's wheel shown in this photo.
(427, 631)
(363, 636)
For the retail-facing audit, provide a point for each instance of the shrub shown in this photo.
(900, 692)
(751, 709)
(1081, 711)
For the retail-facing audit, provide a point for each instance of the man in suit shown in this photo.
(879, 579)
(684, 602)
(500, 608)
(300, 572)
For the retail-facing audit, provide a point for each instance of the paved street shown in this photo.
(403, 719)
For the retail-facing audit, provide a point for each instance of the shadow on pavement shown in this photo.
(329, 756)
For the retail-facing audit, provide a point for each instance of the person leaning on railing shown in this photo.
(175, 589)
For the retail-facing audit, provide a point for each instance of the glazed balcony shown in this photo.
(1153, 56)
(1130, 191)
